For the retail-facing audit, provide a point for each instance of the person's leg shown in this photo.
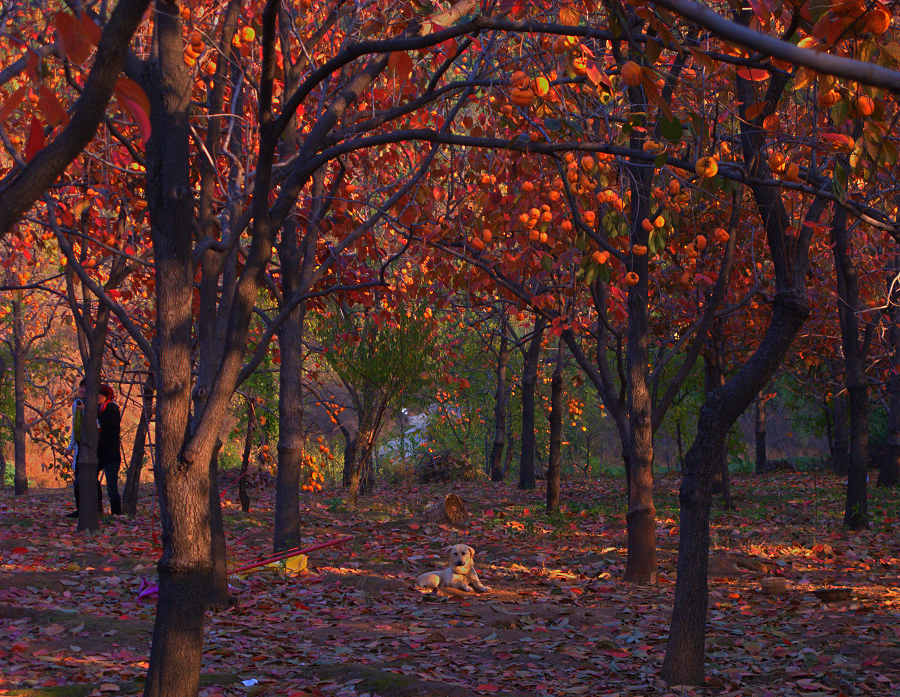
(111, 469)
(99, 491)
(74, 514)
(75, 489)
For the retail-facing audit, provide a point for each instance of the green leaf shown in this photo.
(671, 129)
(840, 112)
(839, 181)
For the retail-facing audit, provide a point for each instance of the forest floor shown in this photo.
(558, 621)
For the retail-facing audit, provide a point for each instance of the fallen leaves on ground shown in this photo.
(558, 621)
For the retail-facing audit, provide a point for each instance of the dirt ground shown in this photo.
(558, 620)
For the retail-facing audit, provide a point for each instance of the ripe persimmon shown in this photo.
(878, 21)
(519, 79)
(707, 167)
(865, 105)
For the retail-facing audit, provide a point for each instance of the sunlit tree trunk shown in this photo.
(362, 455)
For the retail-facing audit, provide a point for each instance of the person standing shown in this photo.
(108, 445)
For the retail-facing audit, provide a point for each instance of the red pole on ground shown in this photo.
(290, 553)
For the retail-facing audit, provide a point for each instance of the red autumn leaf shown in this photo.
(35, 139)
(400, 65)
(753, 74)
(89, 28)
(31, 66)
(133, 99)
(71, 37)
(50, 107)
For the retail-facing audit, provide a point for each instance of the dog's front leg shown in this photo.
(477, 584)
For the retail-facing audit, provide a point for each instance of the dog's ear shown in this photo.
(471, 551)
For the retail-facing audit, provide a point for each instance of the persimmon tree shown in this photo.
(386, 78)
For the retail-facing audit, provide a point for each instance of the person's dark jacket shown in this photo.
(108, 441)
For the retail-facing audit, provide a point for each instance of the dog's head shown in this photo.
(462, 557)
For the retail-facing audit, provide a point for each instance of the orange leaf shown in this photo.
(132, 98)
(35, 139)
(53, 111)
(9, 106)
(595, 75)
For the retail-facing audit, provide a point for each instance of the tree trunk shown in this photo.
(685, 650)
(855, 511)
(245, 459)
(364, 442)
(529, 382)
(684, 659)
(680, 444)
(290, 432)
(349, 456)
(183, 486)
(889, 467)
(840, 452)
(89, 503)
(641, 518)
(638, 443)
(136, 463)
(220, 597)
(720, 480)
(495, 461)
(19, 428)
(760, 430)
(556, 409)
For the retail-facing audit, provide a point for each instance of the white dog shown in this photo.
(460, 574)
